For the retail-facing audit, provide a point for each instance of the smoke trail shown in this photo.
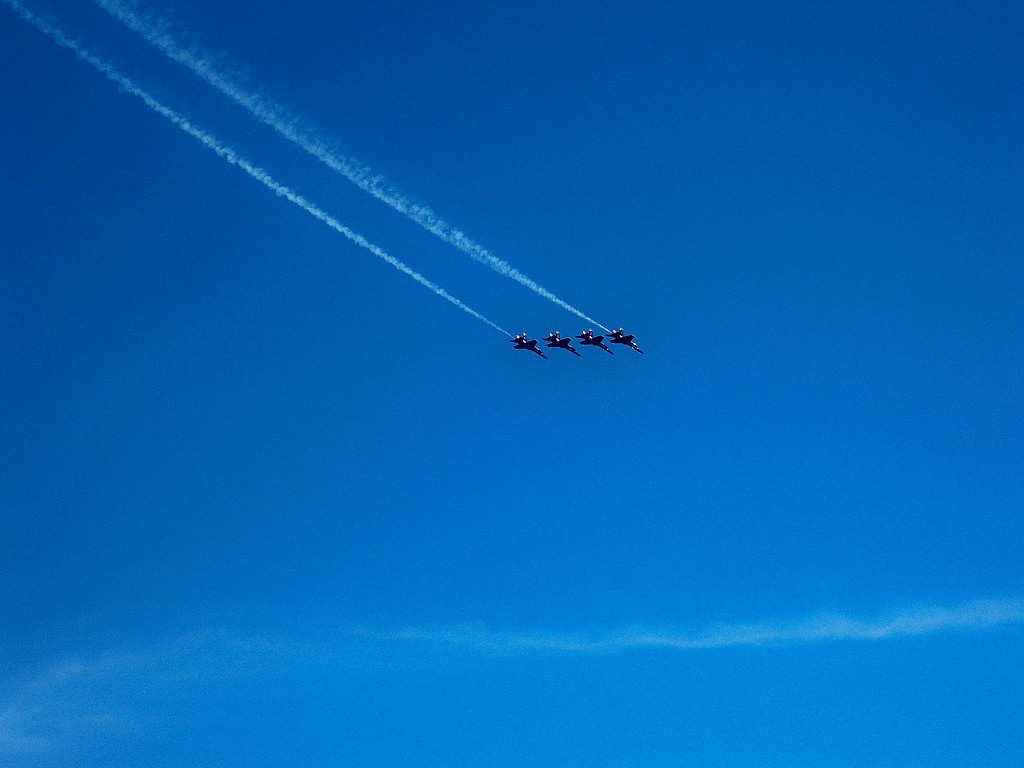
(276, 117)
(234, 158)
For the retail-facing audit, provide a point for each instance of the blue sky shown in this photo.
(267, 500)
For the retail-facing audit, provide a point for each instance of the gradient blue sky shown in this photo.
(265, 500)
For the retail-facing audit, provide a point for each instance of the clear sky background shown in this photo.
(265, 500)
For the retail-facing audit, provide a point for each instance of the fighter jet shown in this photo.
(555, 340)
(588, 338)
(521, 343)
(618, 337)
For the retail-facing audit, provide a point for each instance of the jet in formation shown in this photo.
(587, 338)
(555, 340)
(618, 337)
(521, 342)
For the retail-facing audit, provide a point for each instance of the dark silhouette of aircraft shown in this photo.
(555, 340)
(618, 337)
(521, 343)
(588, 338)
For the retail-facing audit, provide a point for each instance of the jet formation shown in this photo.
(587, 338)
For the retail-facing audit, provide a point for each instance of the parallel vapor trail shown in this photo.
(233, 157)
(364, 177)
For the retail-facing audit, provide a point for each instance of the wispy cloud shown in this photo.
(126, 690)
(158, 32)
(231, 156)
(977, 615)
(121, 691)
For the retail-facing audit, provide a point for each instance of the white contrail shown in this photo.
(278, 118)
(234, 158)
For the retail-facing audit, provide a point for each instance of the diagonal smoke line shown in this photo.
(234, 158)
(276, 117)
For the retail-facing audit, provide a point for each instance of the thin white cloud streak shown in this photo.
(977, 615)
(124, 691)
(279, 119)
(232, 157)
